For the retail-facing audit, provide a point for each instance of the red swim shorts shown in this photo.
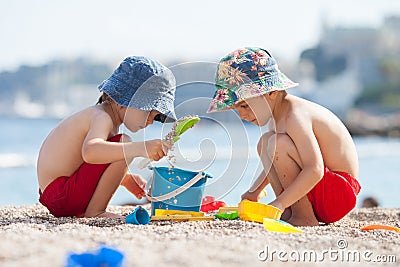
(334, 196)
(70, 196)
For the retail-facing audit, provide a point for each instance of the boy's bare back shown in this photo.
(305, 120)
(61, 152)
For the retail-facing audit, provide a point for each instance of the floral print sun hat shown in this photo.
(245, 73)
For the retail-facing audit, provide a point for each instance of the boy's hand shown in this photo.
(156, 149)
(139, 180)
(277, 204)
(252, 196)
(134, 184)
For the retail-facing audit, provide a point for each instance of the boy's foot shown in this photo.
(287, 214)
(106, 214)
(296, 221)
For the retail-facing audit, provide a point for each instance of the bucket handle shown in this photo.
(177, 191)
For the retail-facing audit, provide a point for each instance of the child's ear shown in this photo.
(271, 95)
(122, 110)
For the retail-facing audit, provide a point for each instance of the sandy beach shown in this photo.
(30, 236)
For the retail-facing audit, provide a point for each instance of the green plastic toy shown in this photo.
(180, 128)
(227, 215)
(183, 126)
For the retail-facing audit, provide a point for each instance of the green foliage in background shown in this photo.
(386, 94)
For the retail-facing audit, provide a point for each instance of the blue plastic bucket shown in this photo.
(166, 180)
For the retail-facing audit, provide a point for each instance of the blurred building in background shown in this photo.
(360, 59)
(355, 72)
(53, 90)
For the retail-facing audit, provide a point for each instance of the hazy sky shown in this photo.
(35, 31)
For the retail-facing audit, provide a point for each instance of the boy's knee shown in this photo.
(125, 138)
(283, 142)
(263, 142)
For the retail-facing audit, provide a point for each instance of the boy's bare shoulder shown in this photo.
(298, 112)
(302, 110)
(82, 120)
(306, 116)
(97, 112)
(92, 113)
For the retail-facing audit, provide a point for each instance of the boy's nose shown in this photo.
(242, 115)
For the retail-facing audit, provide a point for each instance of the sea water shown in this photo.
(226, 151)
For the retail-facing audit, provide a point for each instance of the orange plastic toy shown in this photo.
(380, 227)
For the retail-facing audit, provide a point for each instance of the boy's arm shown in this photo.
(310, 154)
(97, 150)
(259, 184)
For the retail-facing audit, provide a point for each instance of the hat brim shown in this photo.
(250, 90)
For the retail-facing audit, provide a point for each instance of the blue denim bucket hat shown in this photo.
(143, 84)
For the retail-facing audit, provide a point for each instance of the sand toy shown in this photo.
(138, 216)
(228, 209)
(179, 215)
(209, 204)
(263, 194)
(176, 189)
(160, 212)
(181, 218)
(179, 127)
(256, 212)
(380, 227)
(105, 256)
(275, 225)
(230, 215)
(183, 126)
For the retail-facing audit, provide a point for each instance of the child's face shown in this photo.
(255, 110)
(136, 120)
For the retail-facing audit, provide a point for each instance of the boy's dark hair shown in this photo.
(102, 98)
(159, 117)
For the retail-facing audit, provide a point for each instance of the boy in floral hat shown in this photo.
(308, 155)
(84, 159)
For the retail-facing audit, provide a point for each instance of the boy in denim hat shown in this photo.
(308, 155)
(84, 159)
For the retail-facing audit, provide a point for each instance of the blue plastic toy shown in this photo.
(138, 216)
(105, 256)
(170, 179)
